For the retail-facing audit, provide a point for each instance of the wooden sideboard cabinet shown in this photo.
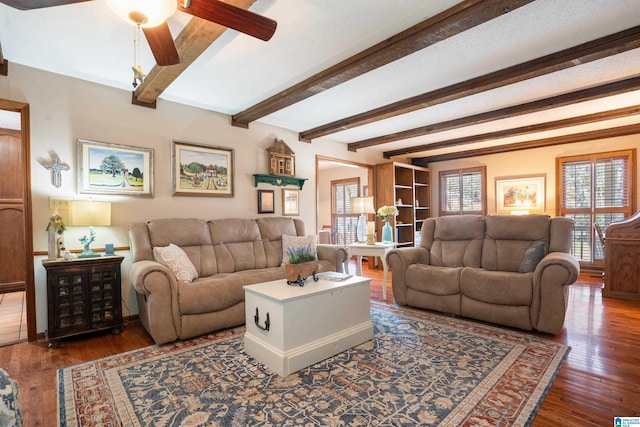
(622, 259)
(83, 295)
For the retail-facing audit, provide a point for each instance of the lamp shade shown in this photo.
(146, 13)
(88, 213)
(362, 205)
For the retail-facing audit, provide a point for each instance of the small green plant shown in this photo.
(300, 255)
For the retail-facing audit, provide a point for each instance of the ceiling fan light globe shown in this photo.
(146, 13)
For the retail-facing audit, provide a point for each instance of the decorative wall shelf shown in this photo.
(278, 180)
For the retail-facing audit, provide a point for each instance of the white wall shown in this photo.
(528, 162)
(63, 110)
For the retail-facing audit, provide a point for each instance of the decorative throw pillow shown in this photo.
(177, 261)
(294, 247)
(532, 257)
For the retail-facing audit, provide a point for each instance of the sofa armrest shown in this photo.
(157, 293)
(552, 275)
(399, 260)
(337, 255)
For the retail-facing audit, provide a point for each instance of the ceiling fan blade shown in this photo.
(37, 4)
(233, 17)
(162, 45)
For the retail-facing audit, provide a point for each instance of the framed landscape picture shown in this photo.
(202, 170)
(114, 169)
(520, 193)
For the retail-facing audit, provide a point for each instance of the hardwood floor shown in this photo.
(13, 318)
(599, 380)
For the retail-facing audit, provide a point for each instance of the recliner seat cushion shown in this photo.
(434, 280)
(497, 287)
(213, 293)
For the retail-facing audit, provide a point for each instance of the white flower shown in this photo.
(385, 211)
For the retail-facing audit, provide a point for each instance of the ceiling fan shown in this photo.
(154, 25)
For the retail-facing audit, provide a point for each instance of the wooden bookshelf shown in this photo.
(408, 188)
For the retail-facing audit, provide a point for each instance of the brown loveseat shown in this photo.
(485, 268)
(226, 253)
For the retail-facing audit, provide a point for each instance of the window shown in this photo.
(342, 220)
(595, 189)
(463, 191)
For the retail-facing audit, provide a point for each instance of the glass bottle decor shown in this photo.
(386, 232)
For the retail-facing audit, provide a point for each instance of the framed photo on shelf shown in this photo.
(201, 170)
(114, 169)
(266, 202)
(520, 193)
(290, 202)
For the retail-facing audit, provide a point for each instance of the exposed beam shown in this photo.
(192, 41)
(589, 94)
(567, 58)
(519, 131)
(461, 17)
(540, 143)
(4, 64)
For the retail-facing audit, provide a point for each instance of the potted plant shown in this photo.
(302, 264)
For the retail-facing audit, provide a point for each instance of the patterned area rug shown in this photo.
(420, 369)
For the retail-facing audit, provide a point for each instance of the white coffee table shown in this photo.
(306, 324)
(379, 250)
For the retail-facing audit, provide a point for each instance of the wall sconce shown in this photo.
(89, 213)
(362, 206)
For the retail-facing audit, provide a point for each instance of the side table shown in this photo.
(379, 250)
(83, 295)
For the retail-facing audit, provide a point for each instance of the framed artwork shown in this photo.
(114, 169)
(290, 202)
(520, 193)
(202, 170)
(266, 201)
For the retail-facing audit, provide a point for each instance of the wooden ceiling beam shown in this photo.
(583, 95)
(596, 49)
(540, 143)
(519, 131)
(4, 64)
(461, 17)
(192, 41)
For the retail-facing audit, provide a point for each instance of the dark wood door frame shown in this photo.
(23, 109)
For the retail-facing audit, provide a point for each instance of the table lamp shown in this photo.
(89, 213)
(362, 206)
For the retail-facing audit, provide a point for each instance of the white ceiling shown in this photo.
(88, 42)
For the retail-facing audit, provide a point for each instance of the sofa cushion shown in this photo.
(293, 246)
(508, 237)
(208, 294)
(177, 261)
(532, 256)
(433, 280)
(457, 241)
(497, 287)
(237, 244)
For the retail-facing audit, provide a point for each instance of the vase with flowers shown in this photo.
(385, 212)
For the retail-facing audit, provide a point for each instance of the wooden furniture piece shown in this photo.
(83, 295)
(378, 250)
(406, 187)
(622, 259)
(292, 327)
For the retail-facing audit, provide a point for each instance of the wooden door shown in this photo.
(13, 273)
(16, 235)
